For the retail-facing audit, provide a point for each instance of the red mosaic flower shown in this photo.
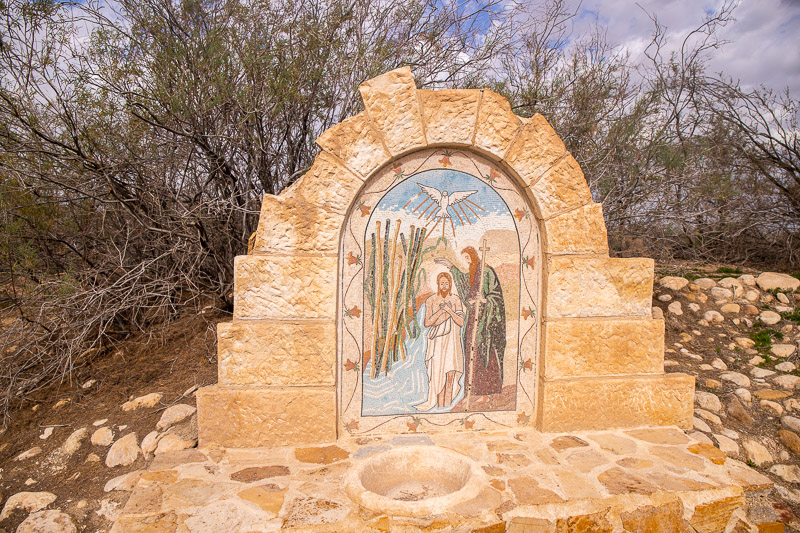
(528, 364)
(364, 209)
(350, 365)
(529, 261)
(522, 418)
(353, 259)
(352, 426)
(469, 424)
(413, 425)
(526, 312)
(445, 160)
(492, 176)
(519, 214)
(353, 312)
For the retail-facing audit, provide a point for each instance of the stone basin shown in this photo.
(414, 481)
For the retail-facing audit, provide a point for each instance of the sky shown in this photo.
(495, 214)
(764, 40)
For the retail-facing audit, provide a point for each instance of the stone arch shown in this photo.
(598, 338)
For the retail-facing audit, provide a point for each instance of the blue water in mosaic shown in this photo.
(406, 384)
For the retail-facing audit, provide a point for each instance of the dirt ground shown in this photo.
(185, 359)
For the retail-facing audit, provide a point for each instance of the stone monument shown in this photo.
(441, 267)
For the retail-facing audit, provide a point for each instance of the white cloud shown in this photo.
(762, 46)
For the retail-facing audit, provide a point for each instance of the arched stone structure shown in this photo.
(600, 352)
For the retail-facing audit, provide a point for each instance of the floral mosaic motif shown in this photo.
(353, 259)
(365, 209)
(445, 160)
(353, 312)
(492, 176)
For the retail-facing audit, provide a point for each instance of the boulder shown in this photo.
(783, 350)
(123, 452)
(173, 443)
(747, 280)
(148, 400)
(756, 452)
(788, 473)
(790, 439)
(773, 280)
(769, 318)
(720, 294)
(673, 283)
(50, 521)
(735, 377)
(149, 443)
(792, 423)
(708, 401)
(705, 283)
(173, 415)
(786, 366)
(103, 437)
(28, 501)
(737, 411)
(786, 381)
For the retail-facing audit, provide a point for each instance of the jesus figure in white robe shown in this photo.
(444, 357)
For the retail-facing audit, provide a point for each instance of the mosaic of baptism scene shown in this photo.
(439, 298)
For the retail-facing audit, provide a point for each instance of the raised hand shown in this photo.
(443, 261)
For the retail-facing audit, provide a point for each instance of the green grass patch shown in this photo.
(728, 270)
(763, 338)
(793, 315)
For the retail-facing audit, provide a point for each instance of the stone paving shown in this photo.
(648, 479)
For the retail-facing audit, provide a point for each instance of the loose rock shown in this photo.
(149, 442)
(705, 283)
(175, 414)
(173, 443)
(736, 410)
(103, 437)
(29, 501)
(713, 317)
(788, 473)
(27, 454)
(123, 452)
(756, 452)
(731, 309)
(792, 423)
(737, 378)
(727, 445)
(783, 350)
(673, 283)
(787, 381)
(772, 408)
(789, 439)
(148, 400)
(675, 308)
(769, 317)
(773, 280)
(50, 521)
(708, 401)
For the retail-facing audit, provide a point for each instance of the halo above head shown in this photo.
(433, 278)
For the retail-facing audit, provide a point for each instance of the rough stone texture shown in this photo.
(356, 143)
(769, 317)
(284, 287)
(174, 414)
(561, 188)
(103, 437)
(290, 226)
(630, 401)
(713, 517)
(50, 521)
(535, 150)
(173, 443)
(773, 280)
(673, 283)
(391, 103)
(148, 400)
(599, 286)
(276, 352)
(603, 347)
(327, 184)
(497, 125)
(581, 230)
(123, 452)
(450, 115)
(29, 501)
(270, 416)
(756, 452)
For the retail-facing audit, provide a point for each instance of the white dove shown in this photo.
(444, 199)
